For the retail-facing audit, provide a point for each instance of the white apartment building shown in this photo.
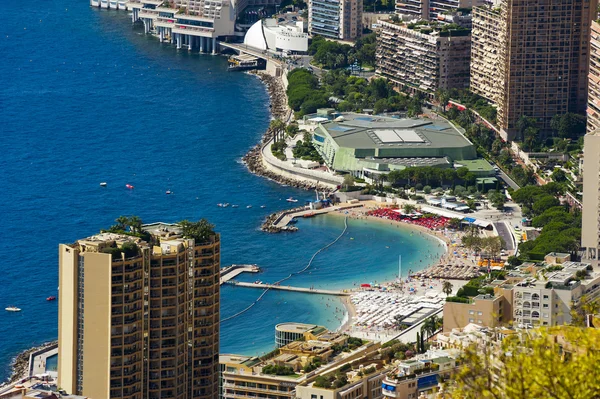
(190, 24)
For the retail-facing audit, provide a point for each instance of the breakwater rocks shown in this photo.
(280, 110)
(20, 364)
(253, 161)
(269, 223)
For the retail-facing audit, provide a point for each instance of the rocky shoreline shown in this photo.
(280, 110)
(20, 364)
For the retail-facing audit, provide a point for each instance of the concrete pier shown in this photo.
(230, 272)
(263, 286)
(287, 218)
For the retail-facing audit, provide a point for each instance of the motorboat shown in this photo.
(291, 199)
(51, 298)
(249, 206)
(263, 206)
(168, 192)
(103, 184)
(129, 186)
(12, 309)
(234, 206)
(225, 205)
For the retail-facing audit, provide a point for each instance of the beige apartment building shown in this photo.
(537, 65)
(423, 58)
(139, 319)
(590, 233)
(484, 310)
(593, 109)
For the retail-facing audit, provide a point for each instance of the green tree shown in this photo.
(443, 96)
(447, 287)
(122, 223)
(348, 181)
(277, 126)
(559, 175)
(408, 208)
(135, 222)
(201, 231)
(553, 363)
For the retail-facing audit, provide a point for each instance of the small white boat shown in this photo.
(234, 206)
(249, 206)
(225, 205)
(103, 184)
(291, 199)
(220, 205)
(263, 206)
(168, 192)
(12, 309)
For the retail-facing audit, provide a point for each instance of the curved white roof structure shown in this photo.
(268, 35)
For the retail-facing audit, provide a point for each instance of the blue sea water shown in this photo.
(85, 98)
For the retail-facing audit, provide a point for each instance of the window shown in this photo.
(471, 312)
(479, 321)
(471, 320)
(479, 313)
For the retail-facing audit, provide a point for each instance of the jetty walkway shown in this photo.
(230, 272)
(263, 286)
(287, 217)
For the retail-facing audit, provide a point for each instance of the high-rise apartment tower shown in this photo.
(531, 58)
(432, 9)
(590, 232)
(139, 319)
(335, 19)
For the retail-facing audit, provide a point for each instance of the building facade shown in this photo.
(590, 232)
(420, 375)
(367, 146)
(286, 333)
(433, 9)
(335, 19)
(593, 106)
(254, 377)
(423, 58)
(139, 319)
(189, 24)
(483, 310)
(538, 64)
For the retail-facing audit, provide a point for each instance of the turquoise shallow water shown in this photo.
(85, 98)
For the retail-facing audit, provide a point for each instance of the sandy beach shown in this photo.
(433, 286)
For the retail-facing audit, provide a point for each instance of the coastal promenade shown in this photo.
(287, 218)
(264, 286)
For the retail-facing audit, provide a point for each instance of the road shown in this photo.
(508, 180)
(505, 234)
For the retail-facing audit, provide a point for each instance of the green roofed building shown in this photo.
(365, 145)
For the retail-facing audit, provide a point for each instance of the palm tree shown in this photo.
(122, 222)
(443, 97)
(278, 128)
(408, 208)
(136, 224)
(447, 287)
